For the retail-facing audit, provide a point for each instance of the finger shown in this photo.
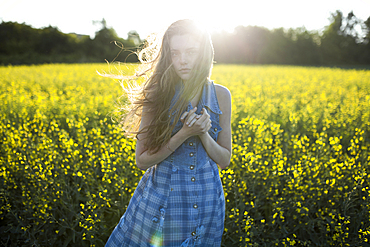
(192, 122)
(197, 118)
(191, 119)
(202, 119)
(193, 110)
(205, 116)
(209, 125)
(190, 115)
(183, 116)
(205, 125)
(204, 111)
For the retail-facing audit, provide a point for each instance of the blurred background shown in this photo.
(317, 33)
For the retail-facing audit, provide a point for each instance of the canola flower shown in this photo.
(299, 175)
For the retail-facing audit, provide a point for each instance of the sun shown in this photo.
(212, 15)
(214, 26)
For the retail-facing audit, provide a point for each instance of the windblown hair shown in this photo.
(155, 94)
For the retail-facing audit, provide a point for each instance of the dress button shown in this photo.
(193, 233)
(155, 219)
(192, 167)
(195, 206)
(190, 144)
(191, 154)
(193, 179)
(215, 129)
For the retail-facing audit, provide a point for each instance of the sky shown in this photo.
(147, 16)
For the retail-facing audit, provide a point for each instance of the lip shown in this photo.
(185, 71)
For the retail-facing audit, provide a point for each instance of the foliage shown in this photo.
(22, 44)
(340, 43)
(299, 175)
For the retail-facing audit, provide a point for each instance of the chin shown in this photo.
(185, 78)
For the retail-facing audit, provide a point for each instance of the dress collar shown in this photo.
(209, 97)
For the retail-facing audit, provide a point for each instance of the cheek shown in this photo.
(176, 64)
(193, 61)
(174, 61)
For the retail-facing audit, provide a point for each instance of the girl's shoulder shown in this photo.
(223, 98)
(222, 92)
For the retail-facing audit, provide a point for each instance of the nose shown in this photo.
(183, 58)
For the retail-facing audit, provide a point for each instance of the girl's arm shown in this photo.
(194, 124)
(220, 151)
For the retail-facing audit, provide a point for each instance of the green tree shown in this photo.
(278, 48)
(364, 56)
(331, 40)
(17, 42)
(305, 50)
(341, 43)
(251, 41)
(366, 29)
(107, 45)
(52, 41)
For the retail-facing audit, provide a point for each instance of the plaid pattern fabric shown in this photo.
(180, 201)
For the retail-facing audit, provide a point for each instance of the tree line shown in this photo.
(22, 44)
(346, 41)
(340, 43)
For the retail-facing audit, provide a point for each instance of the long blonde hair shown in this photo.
(156, 93)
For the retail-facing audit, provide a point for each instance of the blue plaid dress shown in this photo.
(180, 201)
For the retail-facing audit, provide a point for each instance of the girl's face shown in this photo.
(184, 53)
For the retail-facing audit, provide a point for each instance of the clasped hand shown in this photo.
(195, 124)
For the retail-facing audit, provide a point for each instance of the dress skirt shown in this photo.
(172, 206)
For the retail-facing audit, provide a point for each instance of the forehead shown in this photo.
(183, 42)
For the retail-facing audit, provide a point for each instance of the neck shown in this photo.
(194, 101)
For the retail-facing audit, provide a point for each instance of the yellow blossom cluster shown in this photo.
(299, 174)
(67, 171)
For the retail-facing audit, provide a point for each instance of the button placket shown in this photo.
(192, 146)
(192, 157)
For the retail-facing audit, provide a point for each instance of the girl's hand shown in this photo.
(204, 123)
(195, 124)
(189, 118)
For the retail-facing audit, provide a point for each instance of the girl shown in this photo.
(184, 133)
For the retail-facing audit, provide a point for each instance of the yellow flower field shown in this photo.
(299, 174)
